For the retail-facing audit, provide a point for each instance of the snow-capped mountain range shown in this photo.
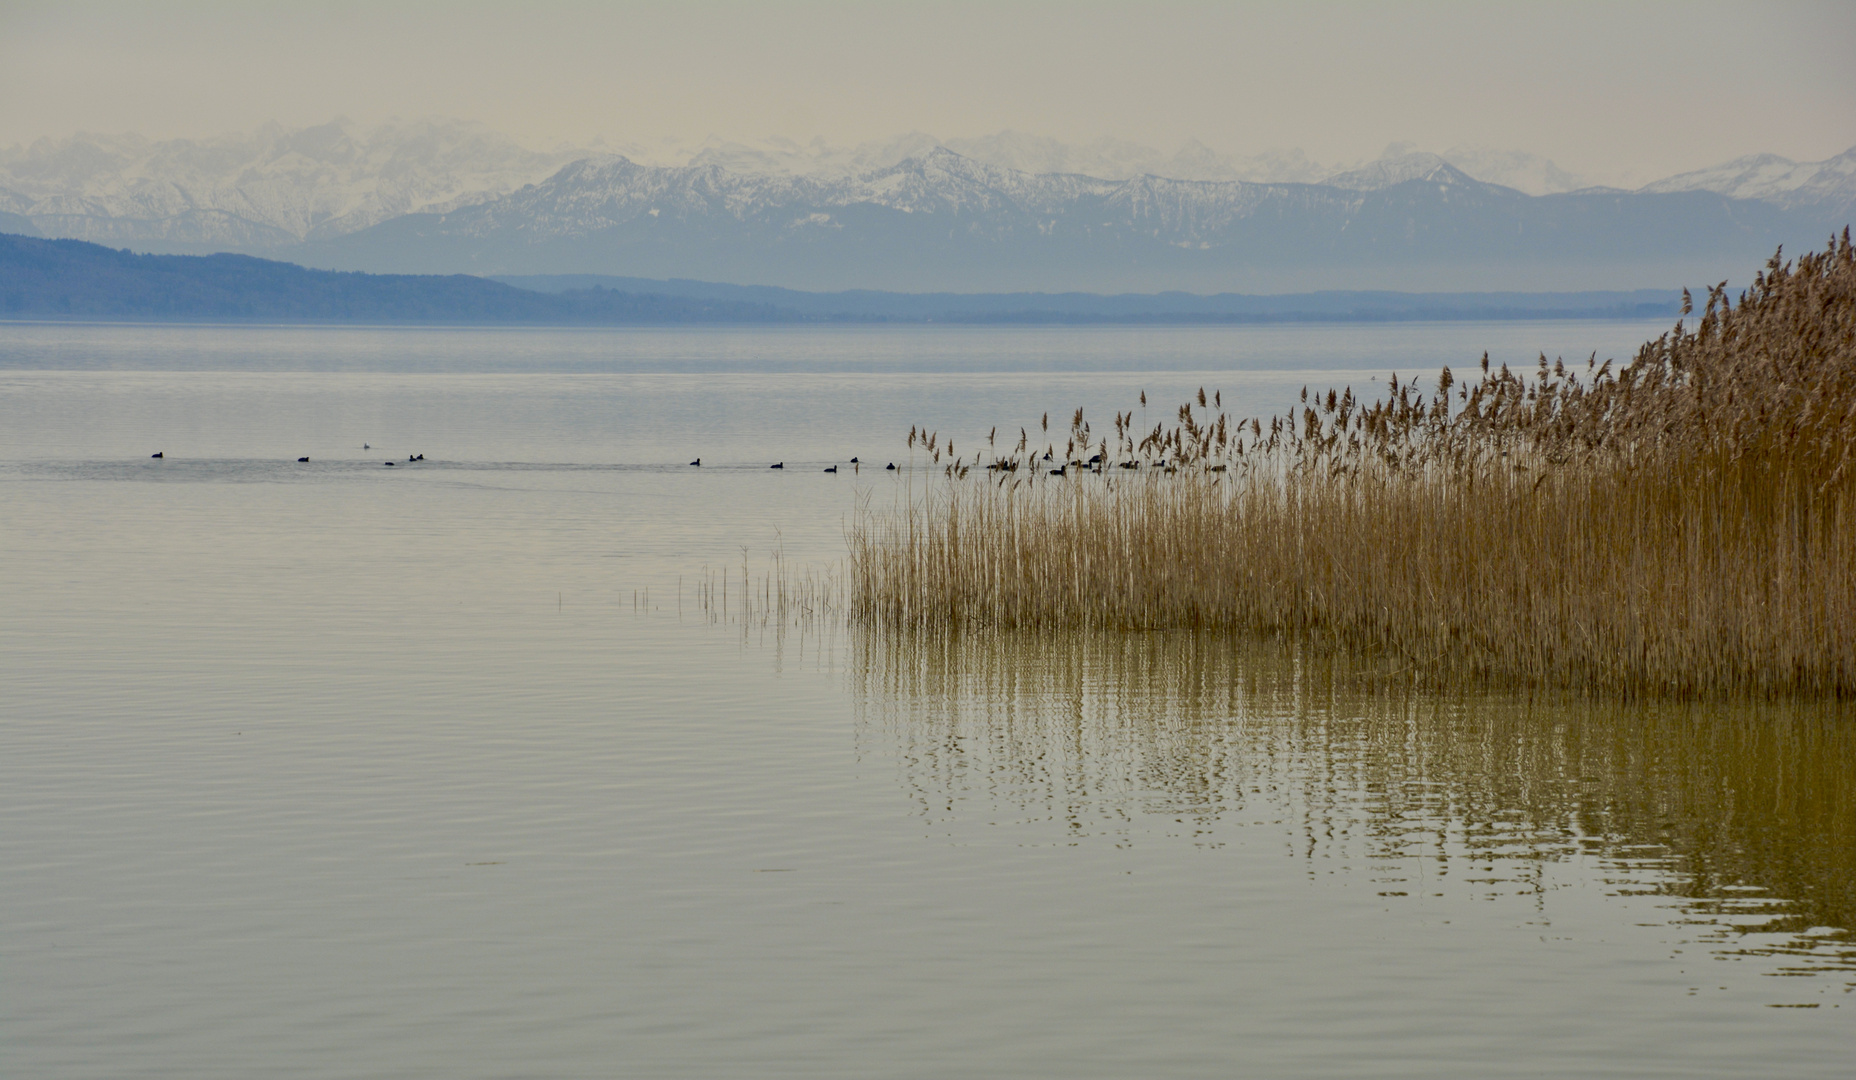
(270, 187)
(1779, 181)
(1003, 211)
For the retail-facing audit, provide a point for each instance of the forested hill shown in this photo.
(71, 279)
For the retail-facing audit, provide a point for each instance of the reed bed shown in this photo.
(1684, 525)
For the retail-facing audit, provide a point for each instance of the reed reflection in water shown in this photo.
(1743, 815)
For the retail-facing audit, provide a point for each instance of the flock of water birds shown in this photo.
(305, 460)
(1094, 464)
(855, 463)
(415, 458)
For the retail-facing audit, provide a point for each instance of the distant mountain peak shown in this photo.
(1830, 184)
(1400, 169)
(1515, 169)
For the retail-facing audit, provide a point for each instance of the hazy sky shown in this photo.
(1606, 89)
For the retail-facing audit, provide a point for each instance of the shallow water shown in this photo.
(440, 770)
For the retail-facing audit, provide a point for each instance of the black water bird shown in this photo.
(409, 457)
(364, 446)
(1095, 459)
(388, 464)
(891, 467)
(697, 463)
(854, 461)
(156, 454)
(777, 465)
(301, 460)
(834, 468)
(421, 457)
(1059, 472)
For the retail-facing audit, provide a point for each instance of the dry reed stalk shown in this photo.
(778, 594)
(1686, 525)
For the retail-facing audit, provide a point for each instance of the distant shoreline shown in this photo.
(57, 281)
(828, 324)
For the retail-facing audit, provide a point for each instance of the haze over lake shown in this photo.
(331, 768)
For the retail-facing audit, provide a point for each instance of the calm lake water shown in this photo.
(333, 769)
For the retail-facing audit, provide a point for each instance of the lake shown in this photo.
(444, 769)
